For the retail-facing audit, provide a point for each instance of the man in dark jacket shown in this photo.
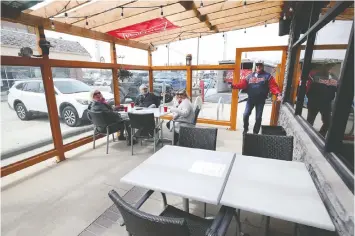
(99, 104)
(257, 85)
(320, 89)
(147, 99)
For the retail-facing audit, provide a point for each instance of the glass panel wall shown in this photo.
(24, 120)
(73, 87)
(130, 81)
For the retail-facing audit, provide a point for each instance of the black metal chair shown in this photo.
(103, 125)
(268, 146)
(172, 221)
(193, 123)
(198, 137)
(273, 130)
(145, 125)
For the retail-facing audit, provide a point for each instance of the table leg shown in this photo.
(185, 204)
(266, 226)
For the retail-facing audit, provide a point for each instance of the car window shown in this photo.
(20, 86)
(32, 87)
(71, 86)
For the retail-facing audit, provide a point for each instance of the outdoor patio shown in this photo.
(71, 198)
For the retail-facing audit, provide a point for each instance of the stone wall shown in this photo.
(338, 199)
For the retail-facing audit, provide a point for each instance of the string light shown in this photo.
(66, 13)
(245, 30)
(245, 3)
(265, 24)
(179, 38)
(52, 24)
(333, 20)
(200, 36)
(201, 4)
(161, 11)
(291, 9)
(122, 12)
(284, 16)
(223, 35)
(87, 23)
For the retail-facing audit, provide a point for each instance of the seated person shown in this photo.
(182, 111)
(147, 99)
(99, 104)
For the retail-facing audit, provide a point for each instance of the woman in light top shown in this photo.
(182, 111)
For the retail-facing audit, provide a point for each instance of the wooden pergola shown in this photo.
(93, 19)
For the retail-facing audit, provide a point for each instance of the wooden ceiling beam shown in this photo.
(27, 19)
(189, 5)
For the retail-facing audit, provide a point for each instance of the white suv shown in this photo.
(72, 96)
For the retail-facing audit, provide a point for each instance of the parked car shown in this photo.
(103, 82)
(73, 97)
(88, 80)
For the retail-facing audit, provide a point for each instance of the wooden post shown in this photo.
(280, 83)
(115, 82)
(189, 81)
(150, 64)
(51, 100)
(236, 78)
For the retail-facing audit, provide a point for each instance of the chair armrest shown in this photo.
(144, 198)
(183, 122)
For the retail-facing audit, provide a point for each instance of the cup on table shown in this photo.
(125, 109)
(165, 109)
(132, 104)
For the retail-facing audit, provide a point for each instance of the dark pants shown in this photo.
(176, 135)
(325, 111)
(259, 107)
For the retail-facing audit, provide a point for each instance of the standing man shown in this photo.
(320, 89)
(257, 85)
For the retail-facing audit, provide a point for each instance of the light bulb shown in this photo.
(161, 11)
(291, 9)
(201, 4)
(52, 25)
(284, 18)
(122, 12)
(265, 24)
(245, 31)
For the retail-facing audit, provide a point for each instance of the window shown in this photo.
(70, 86)
(20, 86)
(32, 87)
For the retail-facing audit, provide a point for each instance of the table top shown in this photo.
(280, 189)
(156, 111)
(191, 173)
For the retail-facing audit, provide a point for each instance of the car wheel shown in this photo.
(70, 116)
(22, 112)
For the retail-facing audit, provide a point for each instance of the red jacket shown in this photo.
(255, 84)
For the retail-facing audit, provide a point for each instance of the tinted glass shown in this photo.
(20, 86)
(32, 87)
(71, 86)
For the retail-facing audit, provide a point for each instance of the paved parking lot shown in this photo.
(16, 133)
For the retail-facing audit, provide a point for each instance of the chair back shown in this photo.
(142, 121)
(139, 223)
(197, 111)
(99, 118)
(268, 146)
(197, 137)
(273, 130)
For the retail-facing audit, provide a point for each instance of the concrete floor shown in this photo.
(52, 199)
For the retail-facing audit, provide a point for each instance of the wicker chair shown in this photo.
(198, 137)
(268, 146)
(146, 127)
(172, 221)
(273, 130)
(103, 124)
